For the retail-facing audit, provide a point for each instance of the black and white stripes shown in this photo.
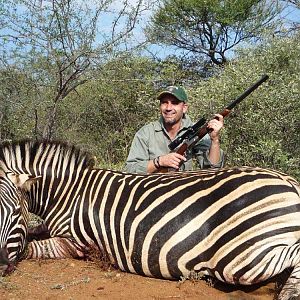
(240, 225)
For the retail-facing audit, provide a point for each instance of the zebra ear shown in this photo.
(24, 181)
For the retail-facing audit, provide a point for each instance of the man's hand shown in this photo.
(214, 126)
(171, 160)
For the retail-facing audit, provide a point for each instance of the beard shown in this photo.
(170, 122)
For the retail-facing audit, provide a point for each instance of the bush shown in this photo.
(264, 130)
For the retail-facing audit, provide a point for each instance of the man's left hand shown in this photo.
(215, 125)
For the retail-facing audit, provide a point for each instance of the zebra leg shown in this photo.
(291, 289)
(55, 247)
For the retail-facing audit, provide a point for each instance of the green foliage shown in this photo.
(264, 130)
(17, 114)
(105, 113)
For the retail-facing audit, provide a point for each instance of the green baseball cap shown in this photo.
(177, 91)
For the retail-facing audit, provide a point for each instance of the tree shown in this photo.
(57, 43)
(210, 29)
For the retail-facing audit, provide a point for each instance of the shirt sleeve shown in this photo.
(201, 152)
(138, 156)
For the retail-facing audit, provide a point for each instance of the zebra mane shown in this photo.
(31, 156)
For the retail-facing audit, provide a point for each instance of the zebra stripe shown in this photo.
(240, 225)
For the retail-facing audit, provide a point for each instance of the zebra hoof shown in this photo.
(6, 269)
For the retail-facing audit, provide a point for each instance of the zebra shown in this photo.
(240, 225)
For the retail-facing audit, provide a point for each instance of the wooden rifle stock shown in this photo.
(195, 137)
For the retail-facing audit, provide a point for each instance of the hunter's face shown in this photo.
(172, 110)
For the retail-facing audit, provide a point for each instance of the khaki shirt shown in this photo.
(152, 140)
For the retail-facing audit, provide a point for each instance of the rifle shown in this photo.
(199, 129)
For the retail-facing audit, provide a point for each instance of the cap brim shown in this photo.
(163, 94)
(168, 93)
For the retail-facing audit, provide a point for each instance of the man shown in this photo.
(149, 150)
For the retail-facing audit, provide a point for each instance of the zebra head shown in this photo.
(13, 217)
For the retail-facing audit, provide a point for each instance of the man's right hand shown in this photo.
(171, 160)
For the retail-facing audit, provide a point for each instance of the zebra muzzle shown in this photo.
(6, 267)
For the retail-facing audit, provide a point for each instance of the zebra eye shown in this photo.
(17, 211)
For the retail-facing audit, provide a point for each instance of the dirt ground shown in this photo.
(70, 279)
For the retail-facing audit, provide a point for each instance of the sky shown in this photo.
(148, 6)
(290, 14)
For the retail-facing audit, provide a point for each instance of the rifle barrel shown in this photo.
(247, 92)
